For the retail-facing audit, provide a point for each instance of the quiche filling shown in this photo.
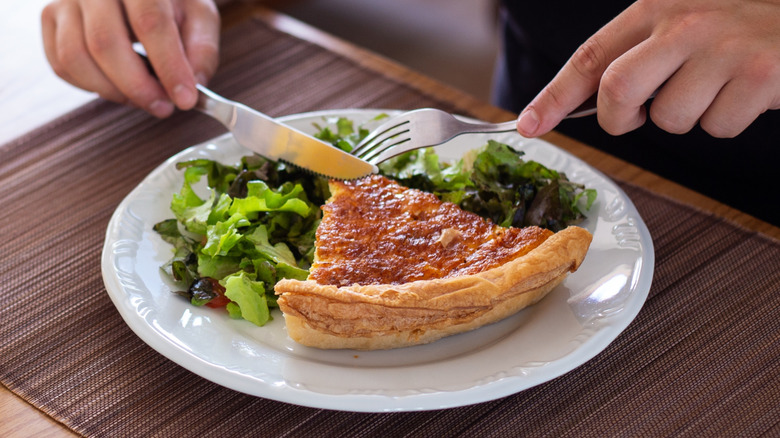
(375, 231)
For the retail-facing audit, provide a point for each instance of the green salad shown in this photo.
(258, 223)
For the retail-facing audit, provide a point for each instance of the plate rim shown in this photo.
(355, 402)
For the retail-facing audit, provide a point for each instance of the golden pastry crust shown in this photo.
(373, 314)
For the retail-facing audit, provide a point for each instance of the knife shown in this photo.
(275, 140)
(279, 142)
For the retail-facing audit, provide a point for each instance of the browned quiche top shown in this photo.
(375, 231)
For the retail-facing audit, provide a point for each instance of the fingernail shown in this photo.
(161, 108)
(528, 123)
(183, 96)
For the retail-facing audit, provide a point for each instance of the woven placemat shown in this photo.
(701, 359)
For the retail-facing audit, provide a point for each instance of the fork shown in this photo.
(428, 127)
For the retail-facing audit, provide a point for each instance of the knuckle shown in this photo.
(101, 40)
(49, 12)
(691, 21)
(554, 98)
(59, 68)
(69, 55)
(671, 122)
(590, 58)
(150, 19)
(762, 69)
(556, 95)
(615, 88)
(618, 125)
(52, 8)
(608, 124)
(718, 128)
(611, 128)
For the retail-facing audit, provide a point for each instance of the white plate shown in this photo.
(570, 326)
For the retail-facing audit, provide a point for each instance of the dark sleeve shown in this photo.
(538, 37)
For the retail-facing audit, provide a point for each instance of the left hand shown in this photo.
(713, 62)
(89, 44)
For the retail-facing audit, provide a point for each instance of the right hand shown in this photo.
(89, 44)
(715, 63)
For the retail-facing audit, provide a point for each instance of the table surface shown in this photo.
(22, 112)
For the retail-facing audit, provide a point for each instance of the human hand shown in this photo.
(712, 62)
(89, 44)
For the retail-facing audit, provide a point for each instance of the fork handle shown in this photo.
(585, 109)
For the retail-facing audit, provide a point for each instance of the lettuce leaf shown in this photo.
(496, 183)
(249, 296)
(256, 226)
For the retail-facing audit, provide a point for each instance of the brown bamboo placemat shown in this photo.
(701, 359)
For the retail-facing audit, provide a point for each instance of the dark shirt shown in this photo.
(539, 37)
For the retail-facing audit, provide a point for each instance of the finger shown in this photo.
(154, 24)
(109, 44)
(49, 17)
(735, 107)
(580, 76)
(66, 51)
(685, 96)
(632, 78)
(200, 36)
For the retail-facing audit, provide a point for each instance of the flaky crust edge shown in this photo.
(374, 317)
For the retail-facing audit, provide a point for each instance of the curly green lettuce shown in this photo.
(496, 183)
(256, 227)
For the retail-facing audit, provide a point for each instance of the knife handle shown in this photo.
(216, 106)
(209, 102)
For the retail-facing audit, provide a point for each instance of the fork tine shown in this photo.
(420, 128)
(379, 137)
(379, 151)
(371, 140)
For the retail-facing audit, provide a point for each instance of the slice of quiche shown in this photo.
(396, 267)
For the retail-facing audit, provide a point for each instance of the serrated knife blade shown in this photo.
(277, 141)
